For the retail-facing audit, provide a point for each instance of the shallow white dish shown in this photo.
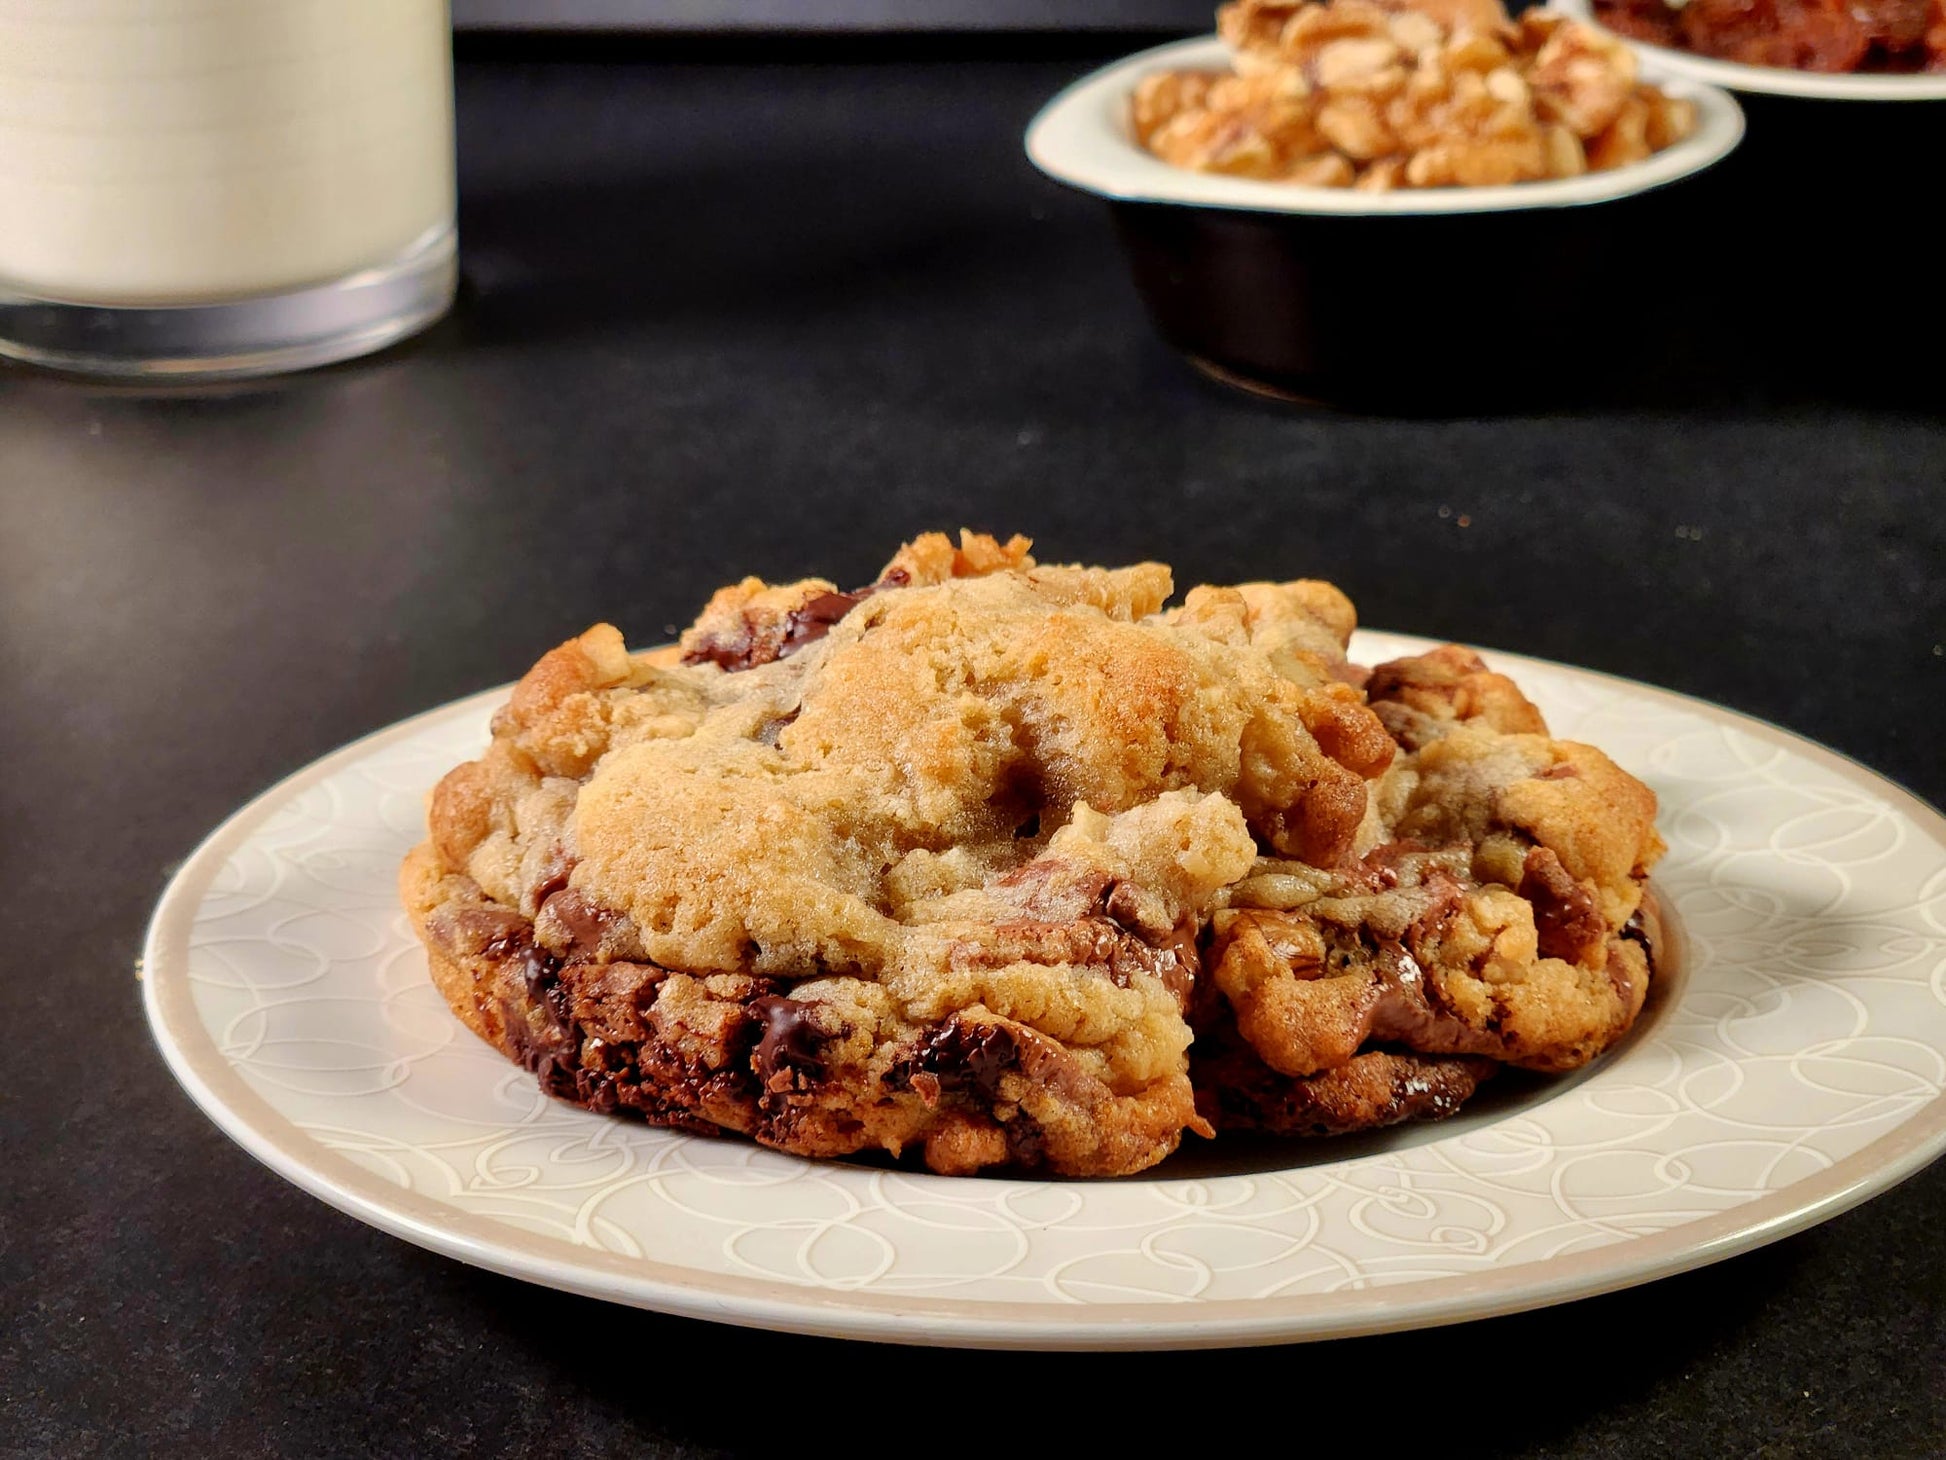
(1771, 80)
(1084, 137)
(1791, 1067)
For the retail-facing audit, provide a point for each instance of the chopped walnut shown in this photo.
(1623, 140)
(1249, 126)
(1581, 78)
(1381, 94)
(1165, 95)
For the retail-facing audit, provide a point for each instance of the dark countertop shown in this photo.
(727, 317)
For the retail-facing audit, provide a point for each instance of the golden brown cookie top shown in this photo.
(850, 783)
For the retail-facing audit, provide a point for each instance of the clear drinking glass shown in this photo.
(222, 187)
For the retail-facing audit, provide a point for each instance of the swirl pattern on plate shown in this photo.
(1810, 1026)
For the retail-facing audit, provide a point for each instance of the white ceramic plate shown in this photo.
(1084, 138)
(1773, 80)
(1790, 1067)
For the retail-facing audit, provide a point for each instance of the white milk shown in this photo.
(180, 151)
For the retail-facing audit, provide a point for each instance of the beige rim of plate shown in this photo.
(1794, 1069)
(1083, 137)
(1772, 80)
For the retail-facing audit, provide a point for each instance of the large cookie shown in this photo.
(937, 866)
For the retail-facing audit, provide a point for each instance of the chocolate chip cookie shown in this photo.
(958, 865)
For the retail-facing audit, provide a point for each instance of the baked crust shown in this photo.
(958, 864)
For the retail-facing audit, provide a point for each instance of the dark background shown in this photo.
(770, 312)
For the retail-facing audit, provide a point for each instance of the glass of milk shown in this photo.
(199, 188)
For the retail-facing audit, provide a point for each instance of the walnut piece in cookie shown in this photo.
(1496, 921)
(956, 865)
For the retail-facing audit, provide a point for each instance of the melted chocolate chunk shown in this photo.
(750, 644)
(540, 976)
(1635, 930)
(788, 1051)
(554, 874)
(1235, 1090)
(1179, 962)
(1407, 1007)
(480, 932)
(658, 1084)
(813, 621)
(1172, 958)
(585, 924)
(729, 652)
(1124, 906)
(541, 1025)
(1170, 955)
(581, 1027)
(1448, 898)
(1565, 915)
(1054, 890)
(959, 1056)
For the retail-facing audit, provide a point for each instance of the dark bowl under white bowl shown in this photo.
(1438, 297)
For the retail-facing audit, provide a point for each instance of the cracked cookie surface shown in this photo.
(959, 863)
